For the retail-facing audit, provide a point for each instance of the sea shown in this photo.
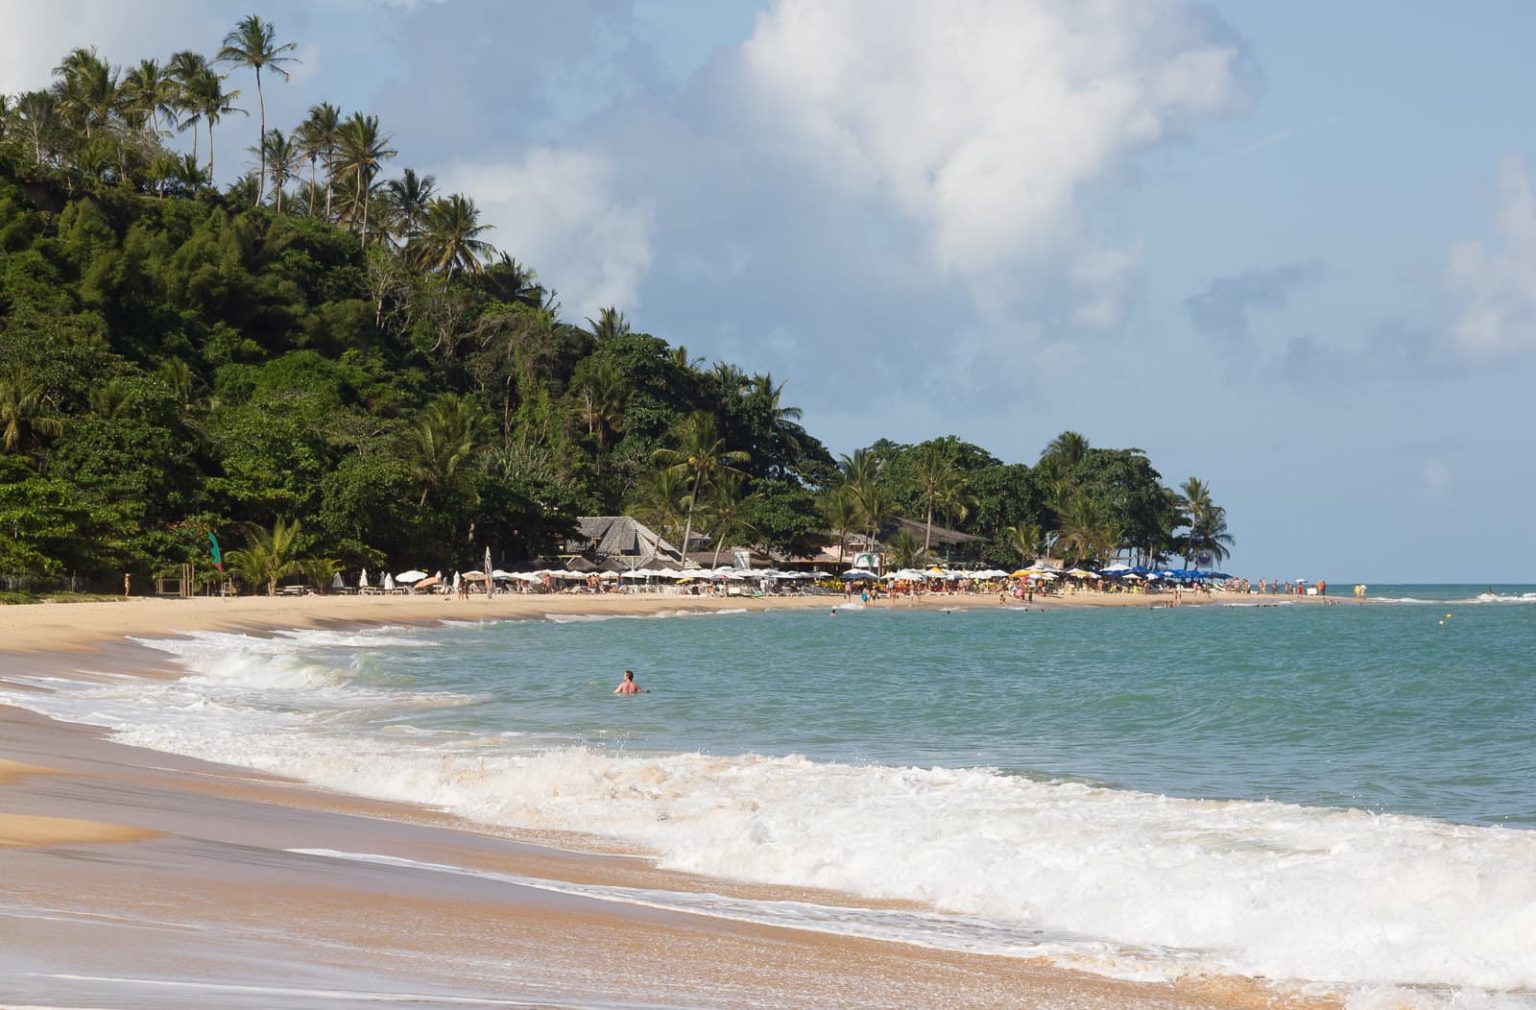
(1341, 797)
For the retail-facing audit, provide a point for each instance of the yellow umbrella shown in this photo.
(1021, 573)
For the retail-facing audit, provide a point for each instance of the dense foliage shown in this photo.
(334, 369)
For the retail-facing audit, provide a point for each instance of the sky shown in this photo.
(1287, 248)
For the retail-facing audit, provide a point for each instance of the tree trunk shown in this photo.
(261, 141)
(928, 534)
(688, 529)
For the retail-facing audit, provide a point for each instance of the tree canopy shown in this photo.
(341, 369)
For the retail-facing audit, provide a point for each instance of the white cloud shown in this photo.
(37, 35)
(555, 210)
(983, 120)
(1493, 285)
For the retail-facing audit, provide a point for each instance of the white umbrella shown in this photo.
(389, 583)
(411, 576)
(474, 576)
(336, 583)
(362, 580)
(457, 580)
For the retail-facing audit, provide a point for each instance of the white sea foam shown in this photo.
(1124, 882)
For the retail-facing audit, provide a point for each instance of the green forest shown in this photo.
(330, 364)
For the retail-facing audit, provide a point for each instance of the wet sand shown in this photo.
(149, 880)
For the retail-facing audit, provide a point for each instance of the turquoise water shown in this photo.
(1342, 794)
(1388, 707)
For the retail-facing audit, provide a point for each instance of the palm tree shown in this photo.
(938, 479)
(906, 551)
(1208, 536)
(88, 91)
(727, 508)
(841, 513)
(363, 150)
(1069, 448)
(1024, 540)
(26, 417)
(444, 439)
(268, 555)
(609, 325)
(253, 43)
(184, 69)
(151, 92)
(449, 244)
(702, 456)
(281, 156)
(661, 500)
(318, 138)
(411, 195)
(213, 104)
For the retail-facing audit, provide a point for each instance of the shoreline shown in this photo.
(78, 627)
(233, 851)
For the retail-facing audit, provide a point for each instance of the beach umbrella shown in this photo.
(1021, 573)
(389, 583)
(362, 580)
(413, 575)
(336, 582)
(474, 576)
(857, 573)
(457, 581)
(1081, 573)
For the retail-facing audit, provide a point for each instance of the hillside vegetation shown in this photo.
(344, 357)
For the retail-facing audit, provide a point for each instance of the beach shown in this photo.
(134, 878)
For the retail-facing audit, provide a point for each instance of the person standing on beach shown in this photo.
(628, 685)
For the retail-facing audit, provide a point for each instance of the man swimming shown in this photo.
(628, 685)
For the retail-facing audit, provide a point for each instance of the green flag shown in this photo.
(218, 558)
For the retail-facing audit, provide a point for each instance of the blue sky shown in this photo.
(1288, 248)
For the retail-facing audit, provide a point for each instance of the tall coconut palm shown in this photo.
(281, 155)
(661, 500)
(253, 43)
(363, 150)
(450, 243)
(268, 555)
(1208, 536)
(213, 103)
(152, 92)
(703, 456)
(938, 480)
(411, 196)
(318, 137)
(184, 68)
(88, 91)
(841, 514)
(727, 511)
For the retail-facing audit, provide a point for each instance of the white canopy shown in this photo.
(411, 576)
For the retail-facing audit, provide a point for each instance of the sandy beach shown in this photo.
(139, 879)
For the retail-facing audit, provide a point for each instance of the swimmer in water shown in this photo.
(628, 685)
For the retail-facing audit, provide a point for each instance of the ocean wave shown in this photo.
(1115, 880)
